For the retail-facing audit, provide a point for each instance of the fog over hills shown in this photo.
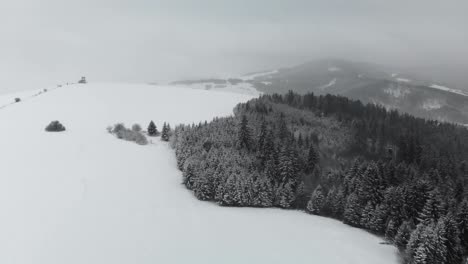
(389, 86)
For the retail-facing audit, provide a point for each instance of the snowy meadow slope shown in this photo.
(83, 196)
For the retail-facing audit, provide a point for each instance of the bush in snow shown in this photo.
(121, 132)
(55, 126)
(136, 128)
(17, 100)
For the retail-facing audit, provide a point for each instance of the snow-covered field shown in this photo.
(83, 196)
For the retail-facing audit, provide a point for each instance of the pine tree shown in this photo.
(403, 235)
(302, 196)
(244, 134)
(338, 204)
(204, 189)
(366, 215)
(451, 239)
(432, 210)
(371, 184)
(462, 221)
(312, 158)
(352, 210)
(264, 196)
(152, 130)
(379, 219)
(288, 165)
(165, 132)
(189, 177)
(391, 230)
(417, 236)
(284, 195)
(317, 201)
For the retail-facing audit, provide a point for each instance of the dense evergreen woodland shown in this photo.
(398, 176)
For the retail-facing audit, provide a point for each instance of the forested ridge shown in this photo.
(398, 176)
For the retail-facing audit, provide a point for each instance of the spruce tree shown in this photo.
(317, 201)
(366, 215)
(244, 134)
(152, 130)
(165, 132)
(391, 230)
(352, 210)
(403, 235)
(462, 221)
(432, 209)
(451, 238)
(312, 158)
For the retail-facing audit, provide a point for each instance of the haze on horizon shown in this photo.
(50, 41)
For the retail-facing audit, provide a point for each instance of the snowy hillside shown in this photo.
(83, 196)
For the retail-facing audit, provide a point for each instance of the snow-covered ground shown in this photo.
(83, 196)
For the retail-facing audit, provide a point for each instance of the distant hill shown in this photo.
(370, 83)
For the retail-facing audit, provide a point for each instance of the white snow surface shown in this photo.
(253, 76)
(84, 196)
(397, 92)
(333, 69)
(330, 84)
(432, 104)
(444, 88)
(403, 80)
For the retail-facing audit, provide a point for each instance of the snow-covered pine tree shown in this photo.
(152, 130)
(264, 197)
(337, 206)
(244, 134)
(288, 164)
(285, 195)
(366, 215)
(302, 196)
(462, 221)
(371, 184)
(432, 209)
(415, 240)
(379, 219)
(452, 243)
(403, 235)
(352, 210)
(204, 189)
(391, 230)
(312, 158)
(165, 132)
(189, 177)
(317, 201)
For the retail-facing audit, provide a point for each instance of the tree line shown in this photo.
(398, 176)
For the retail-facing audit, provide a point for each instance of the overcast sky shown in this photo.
(49, 41)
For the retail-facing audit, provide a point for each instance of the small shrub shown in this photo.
(118, 127)
(55, 126)
(17, 100)
(134, 134)
(136, 128)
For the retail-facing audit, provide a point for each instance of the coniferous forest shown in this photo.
(398, 176)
